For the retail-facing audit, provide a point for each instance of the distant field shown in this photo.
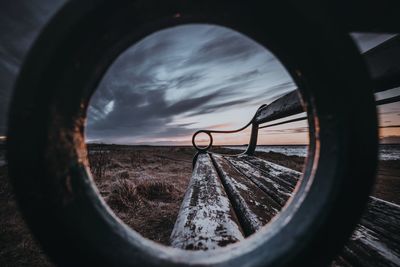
(144, 186)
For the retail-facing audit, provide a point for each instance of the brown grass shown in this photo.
(144, 186)
(124, 196)
(158, 190)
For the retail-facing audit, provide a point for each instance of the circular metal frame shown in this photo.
(48, 159)
(202, 149)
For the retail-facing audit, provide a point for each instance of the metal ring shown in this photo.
(48, 165)
(202, 149)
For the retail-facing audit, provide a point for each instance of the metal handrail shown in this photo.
(209, 133)
(253, 139)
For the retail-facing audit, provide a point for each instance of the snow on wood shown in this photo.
(278, 192)
(258, 189)
(252, 205)
(278, 173)
(206, 219)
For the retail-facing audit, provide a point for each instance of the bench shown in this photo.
(231, 197)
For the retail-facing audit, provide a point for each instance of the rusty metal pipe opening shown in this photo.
(46, 135)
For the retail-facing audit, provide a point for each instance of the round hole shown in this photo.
(48, 159)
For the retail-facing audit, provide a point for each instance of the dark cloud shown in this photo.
(211, 108)
(163, 77)
(224, 47)
(142, 114)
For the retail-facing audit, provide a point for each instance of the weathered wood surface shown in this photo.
(206, 219)
(253, 206)
(276, 172)
(383, 217)
(376, 241)
(277, 189)
(258, 189)
(284, 106)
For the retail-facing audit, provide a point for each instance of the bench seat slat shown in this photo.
(206, 219)
(210, 217)
(370, 249)
(384, 218)
(253, 206)
(278, 173)
(276, 191)
(375, 241)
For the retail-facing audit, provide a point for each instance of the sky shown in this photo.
(174, 82)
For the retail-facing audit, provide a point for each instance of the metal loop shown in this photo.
(202, 149)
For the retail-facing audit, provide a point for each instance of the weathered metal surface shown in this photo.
(253, 206)
(287, 105)
(206, 219)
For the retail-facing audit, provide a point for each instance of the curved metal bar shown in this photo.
(237, 130)
(208, 132)
(202, 149)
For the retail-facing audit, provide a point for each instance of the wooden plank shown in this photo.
(206, 219)
(278, 173)
(370, 249)
(383, 217)
(280, 192)
(375, 242)
(287, 105)
(253, 206)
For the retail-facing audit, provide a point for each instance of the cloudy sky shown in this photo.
(173, 82)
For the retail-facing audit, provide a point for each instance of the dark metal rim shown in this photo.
(199, 148)
(54, 188)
